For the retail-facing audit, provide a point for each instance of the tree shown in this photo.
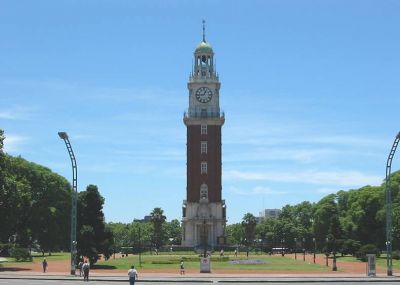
(235, 234)
(174, 232)
(326, 220)
(157, 219)
(121, 235)
(395, 188)
(249, 223)
(35, 205)
(266, 232)
(2, 138)
(92, 236)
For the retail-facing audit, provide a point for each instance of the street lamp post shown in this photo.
(389, 212)
(260, 245)
(114, 247)
(334, 267)
(295, 248)
(304, 249)
(171, 239)
(140, 246)
(282, 247)
(204, 239)
(315, 248)
(327, 251)
(64, 137)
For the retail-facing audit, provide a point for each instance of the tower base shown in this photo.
(203, 224)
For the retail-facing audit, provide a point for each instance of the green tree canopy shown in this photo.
(92, 236)
(249, 223)
(157, 219)
(35, 205)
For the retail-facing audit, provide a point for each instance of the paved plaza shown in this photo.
(200, 279)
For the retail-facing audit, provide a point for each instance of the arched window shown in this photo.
(203, 191)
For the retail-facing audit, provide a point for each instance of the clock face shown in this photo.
(204, 94)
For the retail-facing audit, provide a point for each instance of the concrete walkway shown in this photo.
(206, 277)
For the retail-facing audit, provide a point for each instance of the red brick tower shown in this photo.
(204, 211)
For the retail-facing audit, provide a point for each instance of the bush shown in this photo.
(396, 254)
(367, 249)
(220, 258)
(163, 262)
(350, 246)
(21, 254)
(5, 249)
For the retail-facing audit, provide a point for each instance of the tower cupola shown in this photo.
(203, 60)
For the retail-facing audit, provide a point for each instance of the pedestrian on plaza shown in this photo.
(235, 252)
(45, 264)
(182, 266)
(132, 273)
(86, 268)
(80, 264)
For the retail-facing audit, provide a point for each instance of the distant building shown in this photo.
(146, 219)
(269, 214)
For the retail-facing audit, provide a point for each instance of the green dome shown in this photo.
(204, 47)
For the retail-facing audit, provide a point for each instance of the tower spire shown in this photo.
(204, 31)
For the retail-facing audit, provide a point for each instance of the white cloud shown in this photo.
(81, 136)
(327, 190)
(254, 137)
(16, 113)
(345, 140)
(103, 168)
(279, 154)
(12, 143)
(339, 178)
(153, 96)
(7, 115)
(294, 133)
(258, 190)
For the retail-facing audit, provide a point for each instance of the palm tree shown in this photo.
(157, 219)
(249, 223)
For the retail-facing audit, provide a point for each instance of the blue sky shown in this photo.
(310, 90)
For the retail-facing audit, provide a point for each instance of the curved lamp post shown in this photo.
(64, 137)
(389, 212)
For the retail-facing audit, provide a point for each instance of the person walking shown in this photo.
(182, 268)
(86, 268)
(132, 273)
(80, 264)
(44, 264)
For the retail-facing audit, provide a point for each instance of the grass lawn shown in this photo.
(380, 261)
(38, 257)
(192, 261)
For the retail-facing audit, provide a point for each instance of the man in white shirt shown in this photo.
(132, 273)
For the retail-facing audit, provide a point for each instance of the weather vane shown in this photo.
(204, 31)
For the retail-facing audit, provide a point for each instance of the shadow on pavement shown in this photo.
(110, 267)
(13, 269)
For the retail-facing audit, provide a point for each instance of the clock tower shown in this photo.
(204, 211)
